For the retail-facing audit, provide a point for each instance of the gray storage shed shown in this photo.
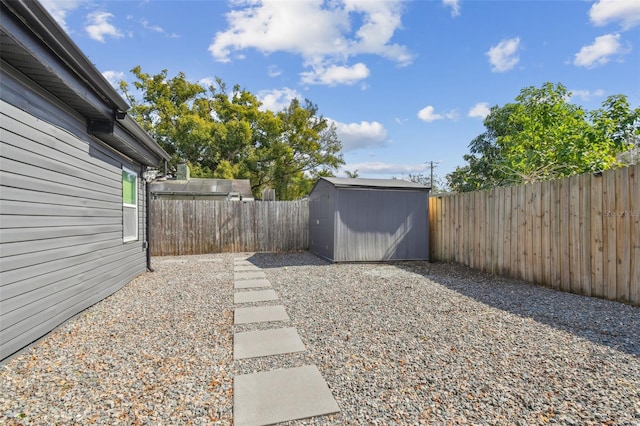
(72, 190)
(368, 220)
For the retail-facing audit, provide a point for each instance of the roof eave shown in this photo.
(51, 33)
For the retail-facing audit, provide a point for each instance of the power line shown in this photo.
(432, 165)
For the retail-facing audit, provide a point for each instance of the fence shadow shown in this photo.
(278, 260)
(600, 321)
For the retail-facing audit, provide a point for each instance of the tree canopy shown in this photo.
(543, 136)
(224, 134)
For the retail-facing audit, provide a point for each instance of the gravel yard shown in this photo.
(402, 343)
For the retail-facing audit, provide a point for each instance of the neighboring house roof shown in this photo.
(375, 183)
(195, 186)
(32, 42)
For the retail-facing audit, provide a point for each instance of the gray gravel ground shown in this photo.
(405, 343)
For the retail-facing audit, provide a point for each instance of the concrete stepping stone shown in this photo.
(245, 268)
(275, 341)
(254, 296)
(254, 283)
(249, 275)
(281, 395)
(260, 314)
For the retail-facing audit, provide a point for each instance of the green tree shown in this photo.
(227, 135)
(542, 136)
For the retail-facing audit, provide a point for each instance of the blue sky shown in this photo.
(406, 82)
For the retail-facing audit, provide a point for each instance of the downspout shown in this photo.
(147, 221)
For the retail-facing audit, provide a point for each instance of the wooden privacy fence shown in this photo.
(205, 226)
(580, 234)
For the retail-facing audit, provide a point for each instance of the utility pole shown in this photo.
(432, 165)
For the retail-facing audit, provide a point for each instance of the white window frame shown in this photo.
(128, 206)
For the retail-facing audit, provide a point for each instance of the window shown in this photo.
(129, 205)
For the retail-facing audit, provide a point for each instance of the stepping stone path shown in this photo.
(268, 397)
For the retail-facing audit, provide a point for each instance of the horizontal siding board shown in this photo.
(19, 95)
(30, 208)
(24, 260)
(17, 194)
(63, 305)
(41, 275)
(89, 154)
(13, 221)
(81, 180)
(48, 189)
(14, 308)
(19, 235)
(28, 247)
(16, 148)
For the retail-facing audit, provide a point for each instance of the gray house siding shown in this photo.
(60, 227)
(368, 223)
(63, 146)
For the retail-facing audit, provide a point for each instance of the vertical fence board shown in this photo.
(529, 214)
(623, 227)
(500, 231)
(438, 252)
(634, 206)
(515, 251)
(522, 232)
(508, 232)
(609, 229)
(491, 233)
(584, 247)
(556, 247)
(446, 228)
(597, 248)
(565, 226)
(536, 215)
(545, 233)
(574, 234)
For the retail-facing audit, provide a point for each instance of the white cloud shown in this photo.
(600, 52)
(480, 110)
(155, 28)
(325, 34)
(504, 55)
(428, 114)
(382, 168)
(335, 74)
(626, 12)
(277, 99)
(273, 71)
(147, 26)
(454, 5)
(114, 77)
(207, 81)
(98, 26)
(59, 10)
(586, 95)
(366, 134)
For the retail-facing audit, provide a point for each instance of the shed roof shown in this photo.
(195, 186)
(375, 183)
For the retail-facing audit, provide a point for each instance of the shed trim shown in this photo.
(357, 183)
